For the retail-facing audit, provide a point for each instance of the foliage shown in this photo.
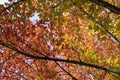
(74, 39)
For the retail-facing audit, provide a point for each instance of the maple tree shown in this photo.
(71, 40)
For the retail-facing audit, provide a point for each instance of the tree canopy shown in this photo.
(60, 40)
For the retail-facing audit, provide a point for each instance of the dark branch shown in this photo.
(107, 5)
(60, 60)
(14, 3)
(113, 37)
(65, 71)
(48, 57)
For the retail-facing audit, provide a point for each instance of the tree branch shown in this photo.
(65, 71)
(113, 37)
(14, 3)
(60, 60)
(107, 5)
(54, 61)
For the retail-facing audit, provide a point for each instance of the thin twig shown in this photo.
(9, 58)
(65, 71)
(14, 3)
(113, 37)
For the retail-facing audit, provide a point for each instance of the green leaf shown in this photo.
(116, 60)
(108, 60)
(119, 46)
(58, 78)
(41, 77)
